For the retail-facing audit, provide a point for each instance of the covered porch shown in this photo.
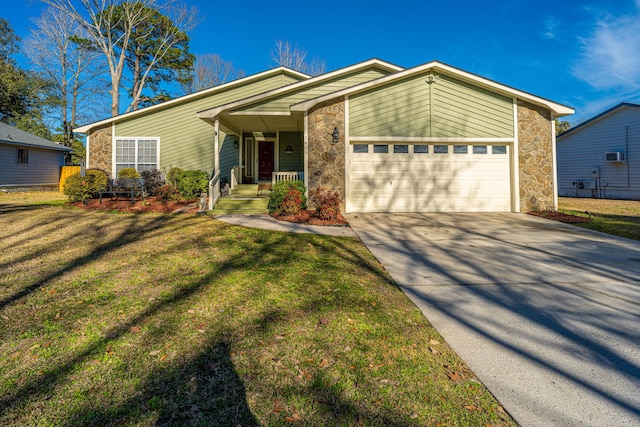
(255, 147)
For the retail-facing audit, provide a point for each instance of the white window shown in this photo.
(138, 153)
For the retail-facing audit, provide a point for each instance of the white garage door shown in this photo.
(429, 178)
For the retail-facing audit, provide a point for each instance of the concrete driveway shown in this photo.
(546, 314)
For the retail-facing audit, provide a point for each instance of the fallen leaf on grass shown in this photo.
(324, 363)
(135, 329)
(293, 418)
(163, 357)
(471, 407)
(453, 376)
(434, 342)
(433, 350)
(278, 406)
(154, 353)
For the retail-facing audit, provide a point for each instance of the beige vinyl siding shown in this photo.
(401, 109)
(407, 108)
(291, 162)
(282, 103)
(185, 140)
(466, 111)
(43, 167)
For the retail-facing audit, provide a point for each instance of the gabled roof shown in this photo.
(598, 117)
(201, 93)
(559, 110)
(213, 112)
(15, 136)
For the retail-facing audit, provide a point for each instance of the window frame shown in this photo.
(136, 148)
(22, 160)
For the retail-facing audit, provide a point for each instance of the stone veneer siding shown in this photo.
(535, 157)
(326, 159)
(101, 149)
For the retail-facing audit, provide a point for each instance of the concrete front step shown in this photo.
(242, 202)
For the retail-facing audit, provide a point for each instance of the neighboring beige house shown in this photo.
(28, 161)
(601, 156)
(432, 138)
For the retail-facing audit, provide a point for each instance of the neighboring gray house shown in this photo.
(28, 161)
(601, 157)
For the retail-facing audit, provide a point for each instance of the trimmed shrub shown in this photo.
(327, 203)
(192, 182)
(81, 189)
(97, 178)
(292, 203)
(128, 173)
(279, 193)
(152, 181)
(76, 188)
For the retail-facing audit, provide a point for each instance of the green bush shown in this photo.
(192, 182)
(279, 194)
(76, 188)
(128, 173)
(97, 179)
(173, 175)
(81, 189)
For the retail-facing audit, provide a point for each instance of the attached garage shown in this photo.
(433, 138)
(417, 177)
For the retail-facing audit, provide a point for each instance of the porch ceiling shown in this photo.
(261, 122)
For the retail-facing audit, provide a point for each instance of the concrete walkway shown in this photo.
(266, 222)
(547, 315)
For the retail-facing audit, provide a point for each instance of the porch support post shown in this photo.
(306, 153)
(216, 146)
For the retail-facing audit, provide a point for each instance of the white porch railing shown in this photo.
(236, 176)
(287, 176)
(214, 190)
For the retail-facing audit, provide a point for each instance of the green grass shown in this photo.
(616, 217)
(184, 320)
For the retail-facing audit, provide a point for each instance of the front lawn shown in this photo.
(149, 319)
(617, 217)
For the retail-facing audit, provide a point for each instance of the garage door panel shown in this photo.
(419, 182)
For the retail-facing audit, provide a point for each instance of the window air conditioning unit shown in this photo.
(617, 156)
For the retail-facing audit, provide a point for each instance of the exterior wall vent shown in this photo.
(617, 156)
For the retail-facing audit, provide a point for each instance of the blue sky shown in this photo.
(579, 53)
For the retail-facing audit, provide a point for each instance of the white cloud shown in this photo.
(610, 56)
(550, 28)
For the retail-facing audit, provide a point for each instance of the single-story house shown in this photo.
(597, 157)
(432, 138)
(28, 161)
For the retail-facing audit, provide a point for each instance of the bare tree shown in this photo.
(111, 24)
(73, 68)
(283, 54)
(211, 70)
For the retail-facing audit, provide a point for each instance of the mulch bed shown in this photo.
(559, 216)
(150, 204)
(307, 217)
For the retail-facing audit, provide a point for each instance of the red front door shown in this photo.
(265, 159)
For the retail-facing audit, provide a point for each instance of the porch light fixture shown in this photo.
(235, 144)
(335, 136)
(288, 150)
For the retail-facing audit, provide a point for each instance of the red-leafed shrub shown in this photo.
(292, 202)
(327, 203)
